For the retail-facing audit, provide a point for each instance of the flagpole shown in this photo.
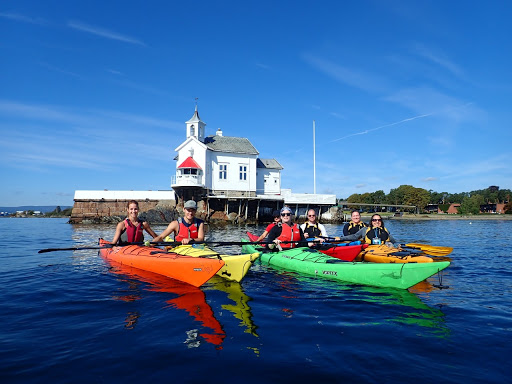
(314, 160)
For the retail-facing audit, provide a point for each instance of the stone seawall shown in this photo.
(94, 211)
(108, 211)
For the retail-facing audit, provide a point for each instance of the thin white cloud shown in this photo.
(427, 179)
(22, 18)
(337, 115)
(425, 98)
(438, 59)
(347, 76)
(56, 69)
(114, 72)
(98, 31)
(263, 66)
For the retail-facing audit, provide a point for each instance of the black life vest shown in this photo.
(311, 230)
(351, 228)
(376, 235)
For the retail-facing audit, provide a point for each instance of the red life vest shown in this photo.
(270, 226)
(190, 232)
(289, 233)
(134, 234)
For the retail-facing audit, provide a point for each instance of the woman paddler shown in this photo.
(286, 234)
(376, 233)
(131, 229)
(187, 229)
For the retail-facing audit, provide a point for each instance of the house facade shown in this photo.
(218, 165)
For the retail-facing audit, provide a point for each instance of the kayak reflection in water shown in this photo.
(240, 309)
(190, 298)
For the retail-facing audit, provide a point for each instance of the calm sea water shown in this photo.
(67, 317)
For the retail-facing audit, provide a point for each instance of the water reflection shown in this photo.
(189, 298)
(409, 308)
(240, 309)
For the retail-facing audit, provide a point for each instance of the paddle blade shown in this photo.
(432, 249)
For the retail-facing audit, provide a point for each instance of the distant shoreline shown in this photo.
(451, 217)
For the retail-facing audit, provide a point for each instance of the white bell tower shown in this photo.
(195, 127)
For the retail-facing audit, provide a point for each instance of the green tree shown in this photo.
(379, 197)
(471, 205)
(354, 198)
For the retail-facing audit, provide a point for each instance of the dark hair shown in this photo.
(132, 202)
(381, 220)
(355, 210)
(276, 213)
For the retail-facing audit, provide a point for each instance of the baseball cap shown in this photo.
(191, 204)
(286, 209)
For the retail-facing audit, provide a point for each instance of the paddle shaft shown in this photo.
(160, 243)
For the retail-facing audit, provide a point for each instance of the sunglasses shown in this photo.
(376, 219)
(286, 214)
(311, 215)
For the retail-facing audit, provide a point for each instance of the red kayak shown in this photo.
(342, 252)
(192, 270)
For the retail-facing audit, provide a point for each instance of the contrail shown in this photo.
(400, 122)
(383, 126)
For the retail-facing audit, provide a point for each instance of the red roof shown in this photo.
(189, 163)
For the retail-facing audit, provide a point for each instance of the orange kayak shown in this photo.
(192, 270)
(385, 254)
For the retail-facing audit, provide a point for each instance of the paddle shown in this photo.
(74, 248)
(430, 249)
(161, 243)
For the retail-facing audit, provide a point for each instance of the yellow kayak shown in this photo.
(385, 254)
(235, 266)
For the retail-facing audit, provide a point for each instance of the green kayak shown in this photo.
(313, 263)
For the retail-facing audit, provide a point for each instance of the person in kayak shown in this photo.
(312, 228)
(131, 229)
(286, 231)
(187, 229)
(277, 219)
(353, 225)
(374, 234)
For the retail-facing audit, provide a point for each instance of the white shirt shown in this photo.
(320, 227)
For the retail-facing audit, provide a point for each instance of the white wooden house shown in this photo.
(219, 165)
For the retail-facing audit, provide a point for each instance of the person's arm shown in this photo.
(391, 240)
(119, 231)
(274, 233)
(356, 236)
(345, 230)
(263, 235)
(172, 227)
(323, 232)
(303, 242)
(148, 229)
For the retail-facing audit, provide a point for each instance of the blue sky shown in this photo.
(95, 94)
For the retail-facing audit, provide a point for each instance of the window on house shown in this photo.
(243, 172)
(223, 171)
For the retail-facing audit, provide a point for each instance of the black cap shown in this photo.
(276, 214)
